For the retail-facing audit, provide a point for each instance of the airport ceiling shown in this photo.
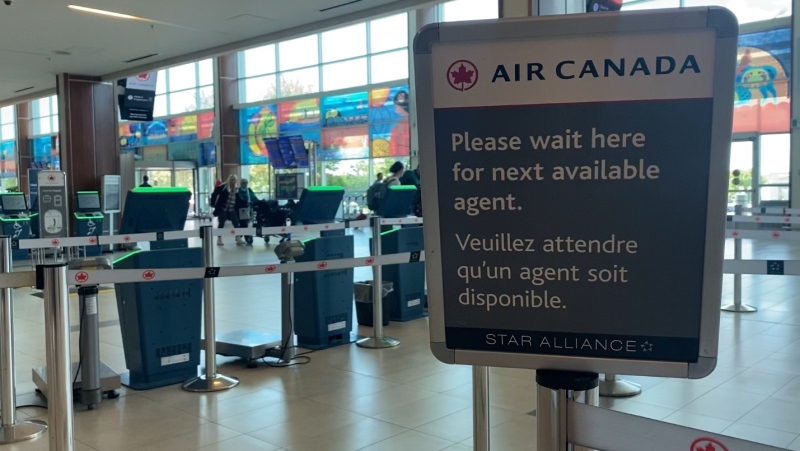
(42, 38)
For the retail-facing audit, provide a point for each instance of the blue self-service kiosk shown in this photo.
(16, 221)
(323, 300)
(89, 219)
(160, 321)
(406, 301)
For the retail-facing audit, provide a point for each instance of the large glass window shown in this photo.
(185, 88)
(344, 43)
(356, 55)
(7, 124)
(636, 5)
(459, 10)
(774, 167)
(44, 116)
(749, 10)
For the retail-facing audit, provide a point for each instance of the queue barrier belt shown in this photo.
(102, 240)
(788, 220)
(108, 276)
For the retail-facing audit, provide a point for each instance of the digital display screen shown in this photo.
(88, 202)
(286, 152)
(274, 153)
(13, 203)
(299, 150)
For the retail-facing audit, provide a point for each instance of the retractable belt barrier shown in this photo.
(106, 276)
(765, 219)
(773, 210)
(100, 240)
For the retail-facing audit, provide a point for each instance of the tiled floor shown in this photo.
(348, 398)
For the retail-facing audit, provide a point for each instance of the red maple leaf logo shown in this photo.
(462, 75)
(51, 178)
(127, 238)
(270, 268)
(322, 265)
(370, 261)
(149, 274)
(707, 444)
(92, 240)
(54, 242)
(81, 277)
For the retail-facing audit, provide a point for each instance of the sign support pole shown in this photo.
(737, 306)
(377, 340)
(480, 408)
(554, 390)
(211, 381)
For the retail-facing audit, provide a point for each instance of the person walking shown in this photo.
(224, 201)
(145, 182)
(245, 200)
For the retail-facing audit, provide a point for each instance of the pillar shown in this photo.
(24, 151)
(88, 129)
(227, 95)
(794, 174)
(417, 19)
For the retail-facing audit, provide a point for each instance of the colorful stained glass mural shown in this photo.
(390, 133)
(255, 125)
(762, 82)
(294, 117)
(345, 110)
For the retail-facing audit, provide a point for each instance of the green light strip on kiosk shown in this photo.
(86, 216)
(403, 187)
(169, 189)
(389, 231)
(14, 220)
(124, 257)
(325, 188)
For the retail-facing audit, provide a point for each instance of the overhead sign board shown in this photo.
(53, 221)
(575, 180)
(137, 96)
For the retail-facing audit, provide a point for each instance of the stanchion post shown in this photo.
(554, 390)
(377, 340)
(52, 279)
(211, 381)
(738, 306)
(11, 429)
(287, 317)
(480, 408)
(613, 387)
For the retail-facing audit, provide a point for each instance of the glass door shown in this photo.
(156, 177)
(206, 181)
(741, 184)
(185, 178)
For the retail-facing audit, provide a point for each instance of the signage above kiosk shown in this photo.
(557, 143)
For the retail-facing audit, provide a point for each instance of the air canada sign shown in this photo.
(606, 68)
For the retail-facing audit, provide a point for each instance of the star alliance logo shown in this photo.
(647, 347)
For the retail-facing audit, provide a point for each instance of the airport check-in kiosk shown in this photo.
(160, 321)
(16, 221)
(406, 301)
(89, 219)
(323, 303)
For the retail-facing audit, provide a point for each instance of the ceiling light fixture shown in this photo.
(103, 12)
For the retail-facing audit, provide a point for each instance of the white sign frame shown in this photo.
(686, 20)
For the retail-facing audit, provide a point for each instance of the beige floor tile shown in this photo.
(517, 434)
(775, 414)
(377, 403)
(695, 421)
(760, 435)
(758, 382)
(207, 434)
(307, 426)
(241, 443)
(410, 440)
(424, 411)
(633, 407)
(457, 427)
(725, 404)
(352, 437)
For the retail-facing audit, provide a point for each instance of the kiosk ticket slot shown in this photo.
(323, 299)
(407, 300)
(89, 219)
(15, 220)
(160, 321)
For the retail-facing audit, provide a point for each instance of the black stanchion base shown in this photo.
(567, 380)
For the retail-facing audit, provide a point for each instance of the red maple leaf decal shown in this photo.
(708, 447)
(462, 76)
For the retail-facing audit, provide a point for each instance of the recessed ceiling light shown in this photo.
(103, 12)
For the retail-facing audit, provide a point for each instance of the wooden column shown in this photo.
(228, 96)
(88, 132)
(24, 152)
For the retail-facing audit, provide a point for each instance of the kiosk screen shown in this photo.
(319, 204)
(149, 210)
(13, 203)
(88, 201)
